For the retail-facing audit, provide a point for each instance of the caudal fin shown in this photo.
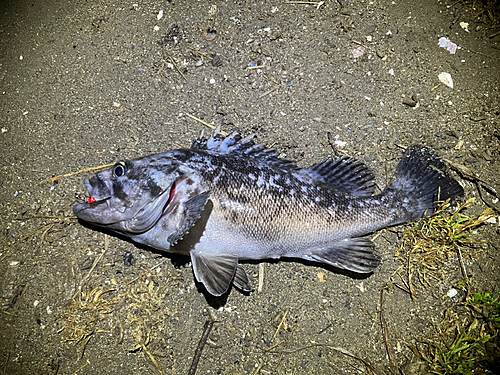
(422, 182)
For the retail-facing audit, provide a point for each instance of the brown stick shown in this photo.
(197, 354)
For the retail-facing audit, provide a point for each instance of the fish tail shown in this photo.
(421, 183)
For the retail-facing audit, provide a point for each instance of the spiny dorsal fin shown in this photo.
(235, 145)
(345, 174)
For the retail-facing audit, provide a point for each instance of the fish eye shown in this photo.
(119, 169)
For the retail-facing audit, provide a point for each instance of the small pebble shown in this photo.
(409, 102)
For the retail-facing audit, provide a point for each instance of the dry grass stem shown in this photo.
(261, 277)
(177, 68)
(281, 323)
(75, 173)
(268, 92)
(205, 123)
(393, 363)
(336, 348)
(428, 243)
(152, 358)
(48, 227)
(81, 368)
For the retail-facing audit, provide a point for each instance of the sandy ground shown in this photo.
(87, 83)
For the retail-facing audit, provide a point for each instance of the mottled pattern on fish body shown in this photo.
(261, 211)
(226, 199)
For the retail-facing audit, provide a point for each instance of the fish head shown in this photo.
(133, 195)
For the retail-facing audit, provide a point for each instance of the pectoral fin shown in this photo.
(353, 254)
(192, 210)
(216, 271)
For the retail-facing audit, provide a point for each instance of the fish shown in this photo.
(228, 199)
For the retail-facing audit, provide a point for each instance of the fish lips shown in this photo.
(99, 190)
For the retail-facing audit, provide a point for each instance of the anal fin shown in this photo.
(353, 254)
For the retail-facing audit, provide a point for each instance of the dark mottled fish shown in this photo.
(238, 201)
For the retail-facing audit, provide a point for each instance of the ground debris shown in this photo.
(393, 363)
(51, 224)
(84, 312)
(467, 340)
(137, 308)
(429, 242)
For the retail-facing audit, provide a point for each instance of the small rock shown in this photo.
(410, 102)
(216, 60)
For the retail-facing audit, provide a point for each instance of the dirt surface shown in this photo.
(89, 83)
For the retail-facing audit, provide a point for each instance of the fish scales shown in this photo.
(282, 205)
(228, 199)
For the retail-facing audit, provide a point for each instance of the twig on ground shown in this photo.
(177, 68)
(393, 363)
(203, 340)
(336, 348)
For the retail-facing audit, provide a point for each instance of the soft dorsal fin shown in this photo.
(345, 174)
(235, 145)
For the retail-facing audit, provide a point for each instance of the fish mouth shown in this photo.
(98, 190)
(100, 208)
(99, 193)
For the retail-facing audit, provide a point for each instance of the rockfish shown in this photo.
(229, 199)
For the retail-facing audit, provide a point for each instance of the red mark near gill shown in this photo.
(91, 200)
(167, 208)
(172, 193)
